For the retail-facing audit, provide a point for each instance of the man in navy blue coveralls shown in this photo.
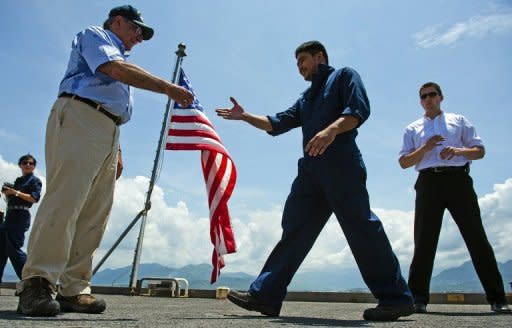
(331, 178)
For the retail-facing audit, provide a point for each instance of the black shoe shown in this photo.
(500, 308)
(247, 301)
(82, 303)
(388, 313)
(420, 308)
(36, 299)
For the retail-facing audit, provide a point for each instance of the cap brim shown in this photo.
(147, 32)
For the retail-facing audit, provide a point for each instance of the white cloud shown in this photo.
(174, 237)
(475, 27)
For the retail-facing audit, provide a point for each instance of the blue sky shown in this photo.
(246, 49)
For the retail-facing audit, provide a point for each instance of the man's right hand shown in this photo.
(235, 113)
(434, 141)
(181, 95)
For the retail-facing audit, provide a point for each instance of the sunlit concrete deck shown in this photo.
(201, 309)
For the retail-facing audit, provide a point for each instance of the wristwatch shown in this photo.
(17, 194)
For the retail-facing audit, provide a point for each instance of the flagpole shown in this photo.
(180, 53)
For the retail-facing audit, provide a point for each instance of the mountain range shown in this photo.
(459, 279)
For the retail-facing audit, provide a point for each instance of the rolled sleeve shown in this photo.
(285, 121)
(36, 187)
(470, 138)
(407, 143)
(356, 101)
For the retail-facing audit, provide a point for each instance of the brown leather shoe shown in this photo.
(82, 303)
(36, 298)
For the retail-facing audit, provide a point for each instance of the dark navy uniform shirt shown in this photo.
(29, 184)
(332, 94)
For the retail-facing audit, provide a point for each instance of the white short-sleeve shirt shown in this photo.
(455, 128)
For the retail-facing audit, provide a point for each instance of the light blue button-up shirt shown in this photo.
(91, 48)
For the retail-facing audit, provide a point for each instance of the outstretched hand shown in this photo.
(235, 113)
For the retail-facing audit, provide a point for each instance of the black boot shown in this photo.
(36, 298)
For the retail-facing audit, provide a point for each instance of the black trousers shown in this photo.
(454, 191)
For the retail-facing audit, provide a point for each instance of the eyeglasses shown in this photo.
(27, 163)
(134, 27)
(430, 94)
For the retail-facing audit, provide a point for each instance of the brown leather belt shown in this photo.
(93, 104)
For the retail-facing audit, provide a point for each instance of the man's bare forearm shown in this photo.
(412, 158)
(135, 76)
(473, 153)
(258, 121)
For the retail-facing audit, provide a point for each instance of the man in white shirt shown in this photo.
(441, 146)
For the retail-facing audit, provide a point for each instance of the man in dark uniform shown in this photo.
(441, 146)
(331, 179)
(25, 192)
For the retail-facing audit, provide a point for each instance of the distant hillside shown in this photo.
(198, 276)
(464, 278)
(461, 279)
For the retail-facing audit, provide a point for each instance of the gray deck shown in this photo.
(142, 311)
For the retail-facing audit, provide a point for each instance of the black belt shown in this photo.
(17, 207)
(95, 105)
(447, 169)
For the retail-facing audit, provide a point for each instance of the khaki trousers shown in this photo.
(81, 162)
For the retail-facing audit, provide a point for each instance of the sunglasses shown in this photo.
(136, 28)
(430, 94)
(27, 163)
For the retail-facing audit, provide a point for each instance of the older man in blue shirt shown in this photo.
(82, 163)
(331, 179)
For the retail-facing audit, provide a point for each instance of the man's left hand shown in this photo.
(449, 152)
(319, 143)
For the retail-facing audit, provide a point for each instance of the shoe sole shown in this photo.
(45, 312)
(91, 309)
(261, 308)
(389, 316)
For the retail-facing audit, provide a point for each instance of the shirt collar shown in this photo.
(118, 42)
(318, 79)
(426, 118)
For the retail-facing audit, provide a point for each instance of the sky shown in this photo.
(246, 49)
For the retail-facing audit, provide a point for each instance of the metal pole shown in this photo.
(118, 241)
(180, 53)
(170, 103)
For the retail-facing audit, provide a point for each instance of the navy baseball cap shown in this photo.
(133, 15)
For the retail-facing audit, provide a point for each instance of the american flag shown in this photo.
(190, 129)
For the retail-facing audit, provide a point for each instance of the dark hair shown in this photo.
(26, 158)
(108, 23)
(434, 85)
(312, 47)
